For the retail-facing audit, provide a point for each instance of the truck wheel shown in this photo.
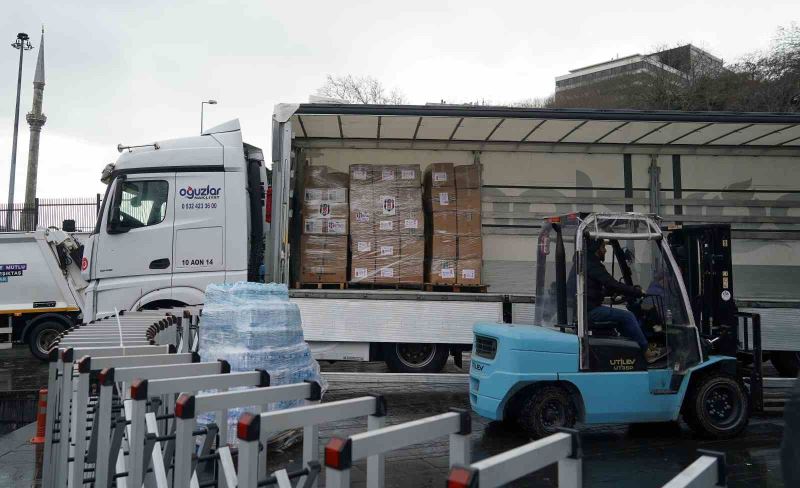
(41, 337)
(415, 357)
(717, 407)
(786, 362)
(545, 411)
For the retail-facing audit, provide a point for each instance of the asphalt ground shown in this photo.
(614, 456)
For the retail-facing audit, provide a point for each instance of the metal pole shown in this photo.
(201, 117)
(19, 44)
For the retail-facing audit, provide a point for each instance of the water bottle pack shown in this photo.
(254, 325)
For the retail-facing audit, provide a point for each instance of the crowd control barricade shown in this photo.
(709, 471)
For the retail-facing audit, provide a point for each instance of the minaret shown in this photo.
(36, 120)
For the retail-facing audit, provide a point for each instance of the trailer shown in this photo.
(734, 168)
(41, 291)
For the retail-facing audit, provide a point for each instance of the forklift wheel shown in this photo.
(717, 407)
(786, 362)
(546, 410)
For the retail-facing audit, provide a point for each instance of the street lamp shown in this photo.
(210, 102)
(23, 44)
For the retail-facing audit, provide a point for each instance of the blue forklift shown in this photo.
(564, 368)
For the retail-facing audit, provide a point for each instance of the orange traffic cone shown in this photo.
(41, 417)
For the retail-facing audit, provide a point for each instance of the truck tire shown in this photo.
(404, 357)
(42, 336)
(786, 362)
(717, 406)
(546, 410)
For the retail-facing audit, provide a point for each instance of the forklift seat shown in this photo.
(606, 328)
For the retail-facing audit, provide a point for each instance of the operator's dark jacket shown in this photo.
(600, 284)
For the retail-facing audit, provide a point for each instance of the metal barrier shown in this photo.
(340, 453)
(710, 470)
(563, 448)
(252, 431)
(73, 424)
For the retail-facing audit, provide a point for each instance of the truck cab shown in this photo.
(171, 222)
(570, 366)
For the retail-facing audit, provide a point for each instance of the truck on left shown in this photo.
(41, 289)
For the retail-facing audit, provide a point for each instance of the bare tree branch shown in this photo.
(364, 89)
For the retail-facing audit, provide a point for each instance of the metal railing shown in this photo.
(51, 212)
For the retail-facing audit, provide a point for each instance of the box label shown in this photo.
(411, 224)
(362, 216)
(337, 226)
(387, 175)
(364, 246)
(337, 195)
(313, 226)
(408, 174)
(387, 250)
(447, 273)
(386, 225)
(468, 274)
(360, 272)
(387, 272)
(359, 174)
(313, 194)
(439, 176)
(388, 205)
(444, 198)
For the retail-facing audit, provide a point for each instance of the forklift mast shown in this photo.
(703, 254)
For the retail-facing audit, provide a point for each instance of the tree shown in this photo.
(360, 89)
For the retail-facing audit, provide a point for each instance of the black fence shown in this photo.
(50, 212)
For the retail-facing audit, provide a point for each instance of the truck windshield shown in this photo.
(546, 310)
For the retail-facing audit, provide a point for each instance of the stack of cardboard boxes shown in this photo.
(386, 224)
(441, 205)
(468, 224)
(323, 247)
(455, 248)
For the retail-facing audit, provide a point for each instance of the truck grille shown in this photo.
(485, 347)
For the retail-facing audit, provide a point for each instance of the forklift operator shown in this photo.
(600, 284)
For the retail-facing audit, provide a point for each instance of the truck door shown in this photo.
(199, 229)
(135, 240)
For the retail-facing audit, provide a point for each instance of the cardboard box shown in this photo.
(322, 209)
(319, 176)
(412, 223)
(411, 271)
(387, 271)
(469, 200)
(439, 175)
(470, 247)
(385, 175)
(441, 199)
(444, 223)
(323, 259)
(362, 270)
(409, 199)
(385, 201)
(325, 226)
(362, 219)
(387, 226)
(469, 272)
(468, 176)
(409, 175)
(469, 223)
(412, 247)
(442, 271)
(444, 247)
(387, 248)
(361, 175)
(362, 246)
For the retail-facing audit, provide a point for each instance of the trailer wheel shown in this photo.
(41, 337)
(404, 357)
(786, 362)
(717, 406)
(546, 410)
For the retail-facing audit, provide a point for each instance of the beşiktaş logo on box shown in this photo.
(203, 193)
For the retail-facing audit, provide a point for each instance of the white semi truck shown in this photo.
(180, 214)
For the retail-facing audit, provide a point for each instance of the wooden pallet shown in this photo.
(456, 288)
(384, 286)
(320, 286)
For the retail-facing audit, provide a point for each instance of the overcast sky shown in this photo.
(136, 71)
